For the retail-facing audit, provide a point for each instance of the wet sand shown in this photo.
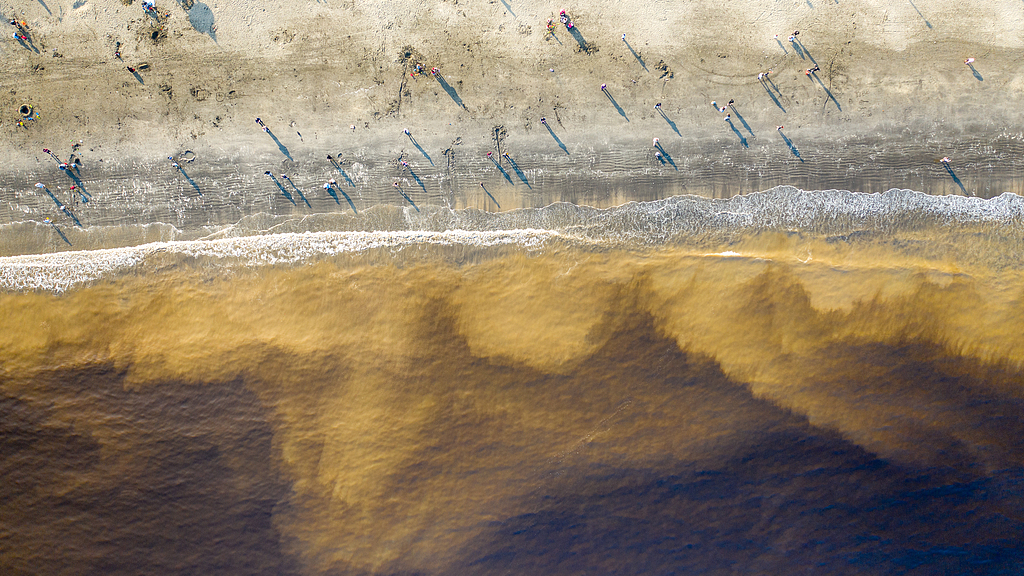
(893, 96)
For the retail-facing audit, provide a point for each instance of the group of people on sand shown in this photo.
(563, 18)
(418, 70)
(22, 33)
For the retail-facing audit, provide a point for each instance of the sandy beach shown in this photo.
(892, 96)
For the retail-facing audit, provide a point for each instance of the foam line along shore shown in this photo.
(891, 97)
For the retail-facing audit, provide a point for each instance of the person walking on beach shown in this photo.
(52, 155)
(728, 118)
(604, 87)
(969, 61)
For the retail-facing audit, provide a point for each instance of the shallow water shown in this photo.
(764, 384)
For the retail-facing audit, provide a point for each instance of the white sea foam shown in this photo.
(829, 212)
(58, 272)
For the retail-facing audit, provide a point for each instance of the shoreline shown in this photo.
(868, 122)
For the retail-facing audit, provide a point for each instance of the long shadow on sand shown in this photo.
(67, 212)
(30, 45)
(417, 179)
(330, 190)
(827, 91)
(281, 147)
(420, 148)
(503, 172)
(451, 91)
(190, 180)
(557, 139)
(772, 94)
(671, 124)
(301, 195)
(797, 49)
(635, 55)
(584, 45)
(351, 204)
(953, 175)
(806, 51)
(284, 192)
(792, 147)
(667, 156)
(489, 196)
(406, 196)
(519, 172)
(60, 232)
(977, 74)
(926, 22)
(344, 174)
(616, 104)
(739, 134)
(78, 182)
(742, 121)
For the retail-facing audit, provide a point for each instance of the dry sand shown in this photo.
(892, 97)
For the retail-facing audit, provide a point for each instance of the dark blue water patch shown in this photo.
(791, 498)
(759, 514)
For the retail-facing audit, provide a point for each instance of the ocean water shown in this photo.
(783, 382)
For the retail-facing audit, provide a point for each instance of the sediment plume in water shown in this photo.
(772, 382)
